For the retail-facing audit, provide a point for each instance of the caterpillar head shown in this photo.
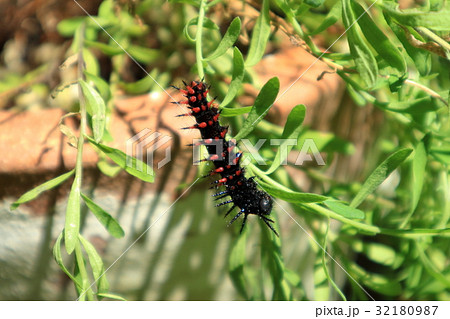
(264, 202)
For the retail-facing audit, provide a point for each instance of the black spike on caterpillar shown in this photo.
(242, 191)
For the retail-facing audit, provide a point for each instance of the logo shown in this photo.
(147, 142)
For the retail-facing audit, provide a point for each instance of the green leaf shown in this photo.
(96, 108)
(290, 134)
(263, 103)
(91, 61)
(314, 3)
(260, 36)
(35, 192)
(436, 20)
(380, 174)
(110, 49)
(292, 197)
(120, 158)
(58, 258)
(81, 274)
(324, 264)
(421, 58)
(420, 105)
(236, 264)
(344, 210)
(380, 254)
(72, 222)
(108, 168)
(379, 41)
(106, 10)
(67, 27)
(271, 253)
(111, 225)
(111, 296)
(101, 85)
(365, 62)
(327, 142)
(140, 86)
(142, 54)
(228, 39)
(332, 17)
(98, 269)
(237, 77)
(227, 112)
(419, 164)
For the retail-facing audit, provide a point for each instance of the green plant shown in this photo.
(397, 61)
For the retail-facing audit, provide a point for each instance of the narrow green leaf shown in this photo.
(138, 87)
(59, 260)
(365, 62)
(96, 108)
(67, 27)
(111, 225)
(381, 254)
(110, 49)
(344, 210)
(228, 39)
(260, 36)
(111, 296)
(107, 168)
(332, 17)
(92, 65)
(378, 40)
(271, 252)
(419, 164)
(263, 103)
(380, 174)
(101, 85)
(419, 105)
(236, 264)
(324, 264)
(227, 112)
(421, 58)
(436, 20)
(292, 197)
(290, 134)
(81, 274)
(141, 171)
(327, 142)
(72, 223)
(292, 278)
(142, 54)
(237, 77)
(35, 192)
(98, 269)
(314, 3)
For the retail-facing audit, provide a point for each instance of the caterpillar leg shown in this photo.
(243, 223)
(267, 220)
(235, 217)
(230, 210)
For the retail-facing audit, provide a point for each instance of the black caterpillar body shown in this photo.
(242, 191)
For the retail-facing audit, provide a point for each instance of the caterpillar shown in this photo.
(242, 192)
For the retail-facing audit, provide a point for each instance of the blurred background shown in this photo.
(177, 245)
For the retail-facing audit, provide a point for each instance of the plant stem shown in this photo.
(434, 37)
(198, 40)
(83, 273)
(316, 208)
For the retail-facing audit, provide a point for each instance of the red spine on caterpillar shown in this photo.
(242, 191)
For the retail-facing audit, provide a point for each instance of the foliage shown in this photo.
(398, 60)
